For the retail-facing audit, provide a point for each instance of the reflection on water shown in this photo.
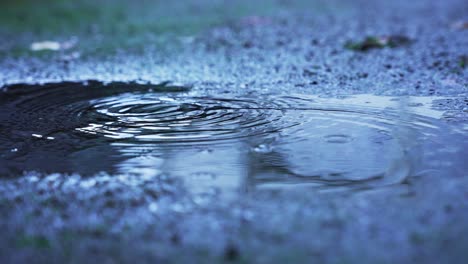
(223, 144)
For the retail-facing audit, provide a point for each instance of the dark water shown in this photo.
(239, 142)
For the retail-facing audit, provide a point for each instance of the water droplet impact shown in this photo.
(151, 118)
(227, 143)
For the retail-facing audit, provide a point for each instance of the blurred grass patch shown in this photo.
(463, 61)
(36, 241)
(107, 25)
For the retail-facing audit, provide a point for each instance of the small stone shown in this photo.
(231, 253)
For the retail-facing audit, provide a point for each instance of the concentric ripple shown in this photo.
(156, 118)
(241, 142)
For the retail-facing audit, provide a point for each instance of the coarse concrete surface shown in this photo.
(238, 47)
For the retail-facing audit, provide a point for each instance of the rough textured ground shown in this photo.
(273, 47)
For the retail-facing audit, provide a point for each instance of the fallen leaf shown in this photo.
(378, 43)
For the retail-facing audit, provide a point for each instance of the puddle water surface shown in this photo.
(226, 143)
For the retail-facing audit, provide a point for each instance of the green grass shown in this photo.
(63, 17)
(106, 26)
(37, 242)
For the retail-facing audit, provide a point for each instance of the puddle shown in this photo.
(228, 144)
